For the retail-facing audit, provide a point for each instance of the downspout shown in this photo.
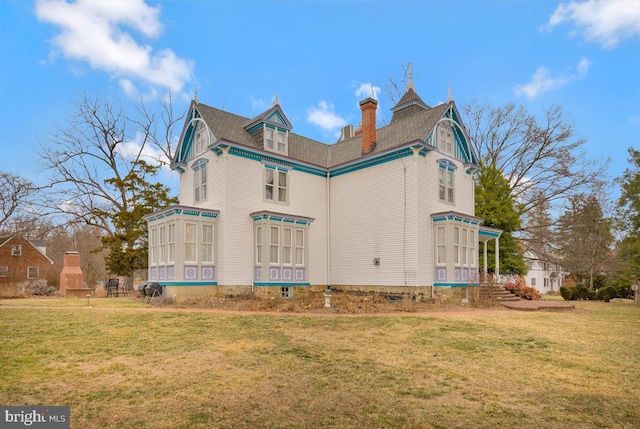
(328, 197)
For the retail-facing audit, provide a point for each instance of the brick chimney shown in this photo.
(368, 107)
(71, 276)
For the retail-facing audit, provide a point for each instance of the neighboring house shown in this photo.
(262, 207)
(544, 273)
(23, 260)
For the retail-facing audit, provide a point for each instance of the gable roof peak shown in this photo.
(274, 116)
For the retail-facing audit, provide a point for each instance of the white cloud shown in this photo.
(128, 87)
(324, 117)
(130, 150)
(259, 105)
(542, 82)
(365, 90)
(603, 21)
(583, 67)
(96, 32)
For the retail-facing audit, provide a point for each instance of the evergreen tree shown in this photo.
(584, 237)
(496, 204)
(128, 245)
(629, 215)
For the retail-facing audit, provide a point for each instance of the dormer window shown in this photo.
(275, 139)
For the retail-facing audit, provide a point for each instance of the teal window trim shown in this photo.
(274, 165)
(281, 217)
(447, 164)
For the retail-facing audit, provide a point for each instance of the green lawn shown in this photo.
(147, 368)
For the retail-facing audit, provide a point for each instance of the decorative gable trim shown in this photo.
(463, 149)
(277, 118)
(274, 117)
(184, 150)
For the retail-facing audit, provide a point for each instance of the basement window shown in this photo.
(4, 271)
(286, 292)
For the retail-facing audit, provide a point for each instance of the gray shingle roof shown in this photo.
(415, 127)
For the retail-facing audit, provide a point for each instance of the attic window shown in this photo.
(275, 139)
(201, 139)
(445, 138)
(16, 250)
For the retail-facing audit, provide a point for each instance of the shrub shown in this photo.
(607, 293)
(514, 288)
(37, 287)
(567, 293)
(582, 292)
(530, 293)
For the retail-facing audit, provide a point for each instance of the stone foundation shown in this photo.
(452, 295)
(179, 293)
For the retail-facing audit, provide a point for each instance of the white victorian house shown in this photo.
(544, 272)
(265, 209)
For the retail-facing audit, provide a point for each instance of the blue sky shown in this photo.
(320, 58)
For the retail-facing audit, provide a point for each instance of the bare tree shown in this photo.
(162, 139)
(542, 158)
(103, 168)
(101, 145)
(395, 90)
(15, 195)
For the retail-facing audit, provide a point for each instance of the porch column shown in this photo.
(497, 257)
(484, 267)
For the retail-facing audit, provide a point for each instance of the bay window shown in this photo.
(207, 243)
(455, 236)
(281, 248)
(190, 242)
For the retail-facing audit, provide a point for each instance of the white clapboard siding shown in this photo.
(369, 219)
(244, 188)
(429, 202)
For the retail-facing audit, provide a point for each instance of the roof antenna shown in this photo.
(449, 98)
(195, 95)
(410, 84)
